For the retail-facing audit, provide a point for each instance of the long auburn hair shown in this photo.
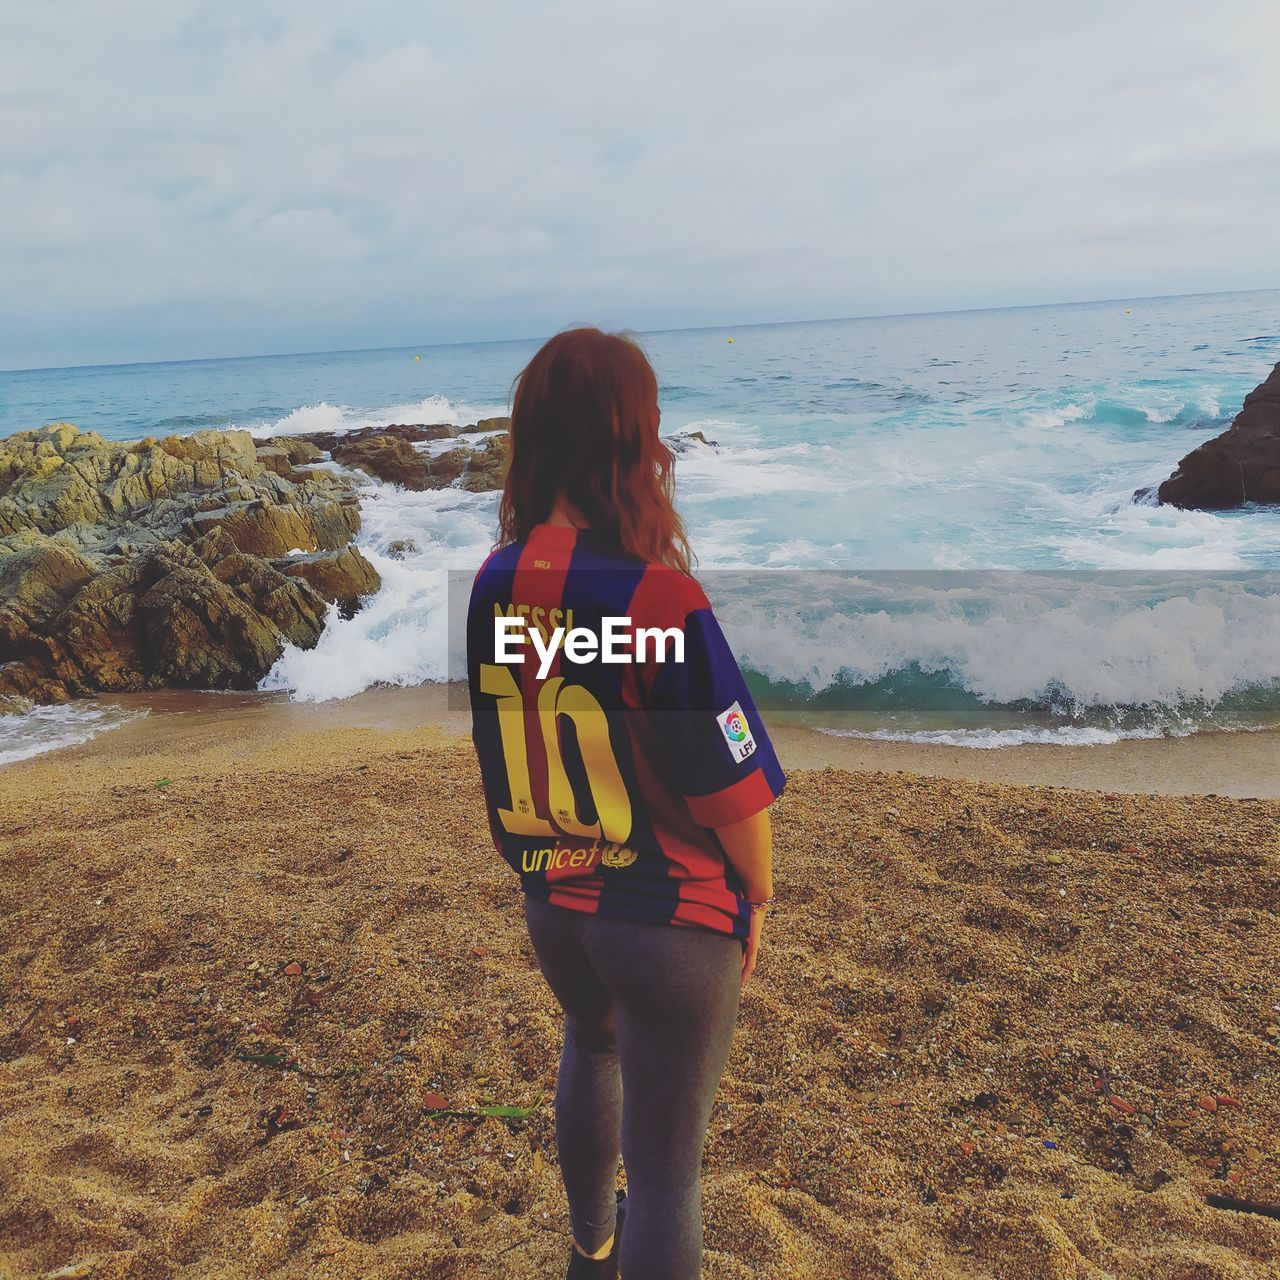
(584, 423)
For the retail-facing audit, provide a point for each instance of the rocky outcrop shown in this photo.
(193, 560)
(344, 577)
(480, 470)
(200, 615)
(284, 454)
(1241, 465)
(387, 458)
(390, 454)
(413, 432)
(190, 560)
(262, 527)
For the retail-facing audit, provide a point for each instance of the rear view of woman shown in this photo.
(630, 796)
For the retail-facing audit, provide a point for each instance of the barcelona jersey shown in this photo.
(605, 780)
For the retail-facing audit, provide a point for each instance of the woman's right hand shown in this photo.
(749, 846)
(753, 944)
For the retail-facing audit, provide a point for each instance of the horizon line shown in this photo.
(701, 328)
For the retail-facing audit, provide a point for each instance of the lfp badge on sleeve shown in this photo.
(733, 724)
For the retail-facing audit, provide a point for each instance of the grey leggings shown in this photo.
(649, 1012)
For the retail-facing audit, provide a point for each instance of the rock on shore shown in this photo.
(190, 560)
(1241, 465)
(390, 454)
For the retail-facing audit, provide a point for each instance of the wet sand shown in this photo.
(1226, 764)
(260, 971)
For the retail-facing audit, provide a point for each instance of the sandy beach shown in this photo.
(261, 974)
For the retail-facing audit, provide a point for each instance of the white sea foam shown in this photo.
(1170, 405)
(747, 471)
(1087, 641)
(1048, 419)
(1107, 529)
(400, 636)
(47, 728)
(327, 417)
(1208, 404)
(994, 739)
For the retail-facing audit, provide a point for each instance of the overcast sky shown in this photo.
(198, 179)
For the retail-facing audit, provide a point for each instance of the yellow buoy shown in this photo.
(730, 339)
(417, 357)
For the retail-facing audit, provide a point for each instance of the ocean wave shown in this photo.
(764, 497)
(48, 728)
(1175, 646)
(326, 417)
(1059, 416)
(413, 539)
(1144, 406)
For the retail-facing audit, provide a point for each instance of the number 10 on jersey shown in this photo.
(604, 778)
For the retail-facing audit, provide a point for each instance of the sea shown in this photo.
(918, 527)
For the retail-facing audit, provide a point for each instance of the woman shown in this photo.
(631, 797)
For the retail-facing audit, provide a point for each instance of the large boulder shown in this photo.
(224, 627)
(136, 565)
(172, 617)
(37, 584)
(1241, 465)
(284, 455)
(408, 431)
(342, 577)
(269, 529)
(388, 458)
(37, 580)
(99, 492)
(388, 454)
(687, 441)
(297, 449)
(479, 467)
(485, 469)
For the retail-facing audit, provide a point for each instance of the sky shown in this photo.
(188, 179)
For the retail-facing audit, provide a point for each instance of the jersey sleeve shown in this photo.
(722, 761)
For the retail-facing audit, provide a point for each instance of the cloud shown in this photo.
(200, 178)
(315, 235)
(396, 84)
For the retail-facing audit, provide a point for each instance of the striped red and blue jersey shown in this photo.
(605, 782)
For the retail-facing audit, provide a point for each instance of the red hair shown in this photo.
(584, 423)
